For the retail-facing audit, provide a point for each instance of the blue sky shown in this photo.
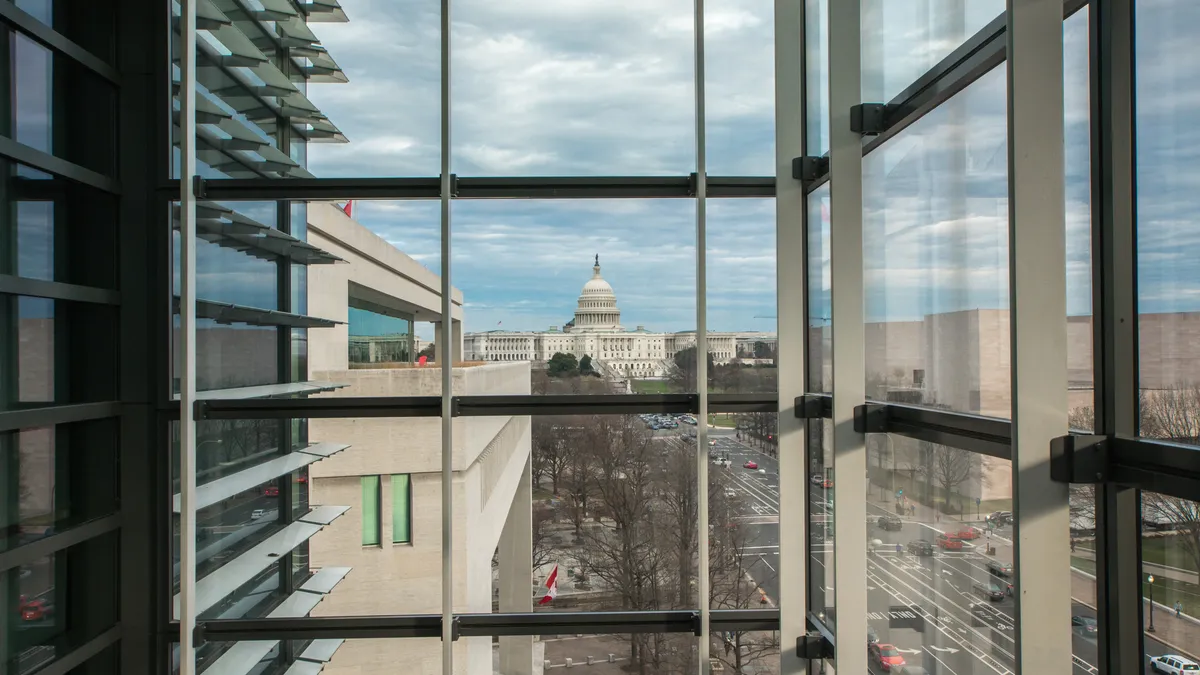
(577, 87)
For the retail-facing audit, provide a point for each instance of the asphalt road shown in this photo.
(963, 633)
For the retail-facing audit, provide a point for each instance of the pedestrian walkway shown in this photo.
(1165, 571)
(1179, 634)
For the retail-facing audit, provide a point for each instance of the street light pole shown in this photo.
(1150, 629)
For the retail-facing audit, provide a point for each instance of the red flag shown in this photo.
(422, 360)
(551, 587)
(348, 209)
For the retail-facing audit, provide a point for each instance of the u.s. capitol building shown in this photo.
(597, 332)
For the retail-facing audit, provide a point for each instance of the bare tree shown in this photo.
(1172, 414)
(947, 467)
(732, 586)
(551, 449)
(1180, 515)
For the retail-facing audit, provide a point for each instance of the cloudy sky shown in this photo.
(578, 87)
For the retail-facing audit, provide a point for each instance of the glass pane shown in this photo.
(1080, 380)
(902, 39)
(60, 352)
(41, 83)
(584, 88)
(1170, 578)
(935, 220)
(940, 576)
(370, 510)
(816, 73)
(557, 284)
(1084, 624)
(56, 478)
(56, 604)
(1168, 281)
(56, 230)
(744, 561)
(401, 509)
(89, 25)
(739, 88)
(820, 488)
(820, 309)
(741, 297)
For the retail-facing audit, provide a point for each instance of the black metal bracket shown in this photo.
(869, 119)
(455, 629)
(697, 624)
(808, 169)
(813, 406)
(871, 418)
(1079, 459)
(693, 184)
(813, 647)
(453, 185)
(198, 634)
(199, 188)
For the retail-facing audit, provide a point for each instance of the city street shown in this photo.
(927, 606)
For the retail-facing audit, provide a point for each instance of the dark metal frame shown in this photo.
(982, 435)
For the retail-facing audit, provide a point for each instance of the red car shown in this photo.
(35, 610)
(827, 483)
(885, 655)
(750, 465)
(967, 533)
(271, 491)
(949, 543)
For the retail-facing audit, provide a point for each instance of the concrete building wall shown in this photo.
(377, 272)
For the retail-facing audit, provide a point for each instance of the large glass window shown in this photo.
(935, 221)
(1170, 577)
(401, 508)
(820, 298)
(372, 522)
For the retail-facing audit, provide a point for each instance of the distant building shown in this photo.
(596, 331)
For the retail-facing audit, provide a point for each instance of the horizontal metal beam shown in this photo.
(25, 23)
(983, 51)
(429, 187)
(56, 290)
(43, 161)
(481, 406)
(47, 546)
(48, 415)
(1144, 463)
(983, 435)
(479, 625)
(83, 653)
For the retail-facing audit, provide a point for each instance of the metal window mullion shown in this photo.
(849, 369)
(791, 273)
(187, 338)
(701, 339)
(1115, 333)
(1037, 324)
(447, 357)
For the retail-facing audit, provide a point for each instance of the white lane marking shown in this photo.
(764, 561)
(909, 651)
(751, 548)
(951, 650)
(943, 663)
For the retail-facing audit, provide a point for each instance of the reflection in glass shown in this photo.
(1077, 159)
(821, 520)
(739, 47)
(940, 576)
(935, 220)
(820, 310)
(1084, 624)
(902, 39)
(1170, 577)
(816, 67)
(1168, 278)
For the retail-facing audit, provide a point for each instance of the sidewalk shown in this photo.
(1178, 634)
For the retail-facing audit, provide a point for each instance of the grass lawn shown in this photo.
(1084, 564)
(1166, 591)
(1166, 551)
(651, 387)
(723, 420)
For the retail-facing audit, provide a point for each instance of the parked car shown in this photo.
(827, 483)
(750, 464)
(1173, 664)
(1000, 569)
(1084, 625)
(1000, 518)
(890, 522)
(949, 543)
(885, 656)
(816, 479)
(730, 492)
(921, 547)
(872, 636)
(989, 590)
(36, 609)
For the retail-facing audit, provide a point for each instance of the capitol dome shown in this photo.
(597, 308)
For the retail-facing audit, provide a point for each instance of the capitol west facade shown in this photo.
(596, 331)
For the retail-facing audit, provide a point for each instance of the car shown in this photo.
(989, 590)
(762, 471)
(1173, 664)
(998, 568)
(271, 491)
(949, 543)
(1000, 518)
(885, 656)
(921, 547)
(1084, 625)
(257, 513)
(827, 483)
(817, 479)
(712, 441)
(36, 609)
(730, 492)
(968, 533)
(890, 522)
(750, 464)
(872, 636)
